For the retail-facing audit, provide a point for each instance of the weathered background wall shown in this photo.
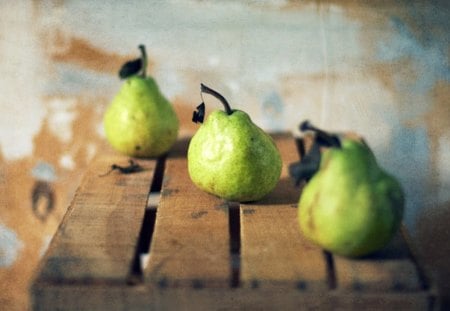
(379, 69)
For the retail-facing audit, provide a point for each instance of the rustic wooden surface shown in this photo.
(273, 250)
(97, 237)
(190, 245)
(208, 254)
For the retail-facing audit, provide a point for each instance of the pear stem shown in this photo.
(329, 139)
(207, 90)
(144, 60)
(307, 126)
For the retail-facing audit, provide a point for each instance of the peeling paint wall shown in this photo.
(378, 69)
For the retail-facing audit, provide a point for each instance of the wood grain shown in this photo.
(97, 238)
(274, 253)
(209, 254)
(390, 269)
(190, 244)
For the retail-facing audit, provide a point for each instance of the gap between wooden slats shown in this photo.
(190, 243)
(98, 235)
(389, 270)
(273, 252)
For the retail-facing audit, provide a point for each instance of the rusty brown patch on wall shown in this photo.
(297, 88)
(299, 4)
(352, 8)
(184, 112)
(437, 121)
(82, 147)
(16, 214)
(16, 195)
(83, 53)
(439, 115)
(385, 73)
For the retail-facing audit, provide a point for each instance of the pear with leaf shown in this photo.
(230, 156)
(140, 121)
(349, 206)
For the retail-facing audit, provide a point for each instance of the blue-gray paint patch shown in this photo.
(432, 52)
(10, 246)
(73, 80)
(44, 171)
(429, 55)
(273, 111)
(408, 158)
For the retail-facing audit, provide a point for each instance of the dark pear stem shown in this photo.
(306, 125)
(143, 60)
(323, 137)
(207, 90)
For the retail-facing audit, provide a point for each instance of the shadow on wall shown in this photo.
(408, 147)
(426, 217)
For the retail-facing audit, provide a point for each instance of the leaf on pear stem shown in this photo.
(325, 139)
(130, 68)
(307, 166)
(199, 115)
(310, 163)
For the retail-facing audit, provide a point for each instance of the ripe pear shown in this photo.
(231, 157)
(140, 121)
(350, 206)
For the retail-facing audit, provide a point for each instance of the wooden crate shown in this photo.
(119, 248)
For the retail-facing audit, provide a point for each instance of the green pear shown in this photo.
(350, 206)
(231, 157)
(140, 121)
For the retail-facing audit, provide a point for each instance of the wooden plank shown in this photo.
(427, 277)
(280, 298)
(141, 297)
(190, 245)
(92, 297)
(210, 299)
(192, 264)
(375, 301)
(389, 270)
(97, 238)
(273, 251)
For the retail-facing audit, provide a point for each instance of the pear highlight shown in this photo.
(140, 121)
(231, 157)
(350, 206)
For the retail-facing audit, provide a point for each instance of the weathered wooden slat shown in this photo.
(190, 245)
(116, 297)
(374, 301)
(389, 270)
(92, 297)
(268, 298)
(98, 236)
(194, 246)
(273, 251)
(140, 297)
